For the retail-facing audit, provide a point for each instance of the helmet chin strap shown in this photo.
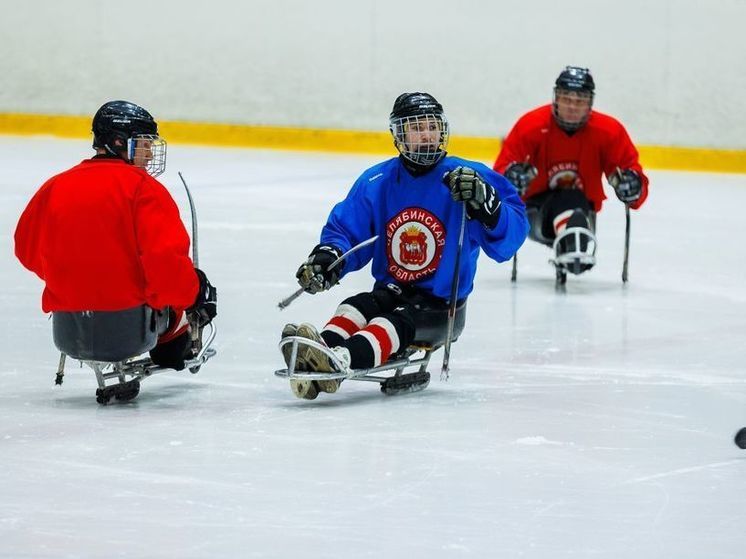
(122, 154)
(418, 169)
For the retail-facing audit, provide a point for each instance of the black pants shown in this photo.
(543, 208)
(414, 315)
(391, 309)
(171, 354)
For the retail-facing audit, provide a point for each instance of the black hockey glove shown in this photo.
(314, 275)
(206, 303)
(627, 185)
(520, 175)
(482, 202)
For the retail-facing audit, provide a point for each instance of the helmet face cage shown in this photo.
(574, 91)
(422, 138)
(147, 151)
(575, 110)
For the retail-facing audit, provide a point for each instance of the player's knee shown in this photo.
(365, 303)
(402, 319)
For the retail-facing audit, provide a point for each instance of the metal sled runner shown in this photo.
(112, 343)
(431, 328)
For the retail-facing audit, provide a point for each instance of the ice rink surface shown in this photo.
(594, 422)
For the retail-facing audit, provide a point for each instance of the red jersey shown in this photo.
(106, 236)
(575, 160)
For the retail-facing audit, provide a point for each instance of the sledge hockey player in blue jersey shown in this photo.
(415, 204)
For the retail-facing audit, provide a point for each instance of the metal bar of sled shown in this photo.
(368, 374)
(60, 370)
(350, 374)
(144, 367)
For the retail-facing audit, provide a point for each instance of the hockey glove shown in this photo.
(314, 274)
(521, 175)
(482, 202)
(627, 185)
(206, 303)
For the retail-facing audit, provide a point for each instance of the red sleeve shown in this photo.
(622, 154)
(163, 243)
(28, 235)
(515, 148)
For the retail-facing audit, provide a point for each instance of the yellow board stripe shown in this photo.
(351, 141)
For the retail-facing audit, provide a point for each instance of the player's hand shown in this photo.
(314, 274)
(206, 302)
(521, 175)
(627, 185)
(482, 202)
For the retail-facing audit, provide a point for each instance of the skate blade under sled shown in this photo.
(113, 344)
(404, 373)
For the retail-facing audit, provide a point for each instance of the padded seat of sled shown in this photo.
(431, 325)
(107, 335)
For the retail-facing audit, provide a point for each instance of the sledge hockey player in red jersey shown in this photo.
(555, 156)
(106, 235)
(432, 213)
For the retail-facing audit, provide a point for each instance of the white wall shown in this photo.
(674, 71)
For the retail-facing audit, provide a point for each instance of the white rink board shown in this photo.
(672, 71)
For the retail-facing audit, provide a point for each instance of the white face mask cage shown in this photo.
(147, 151)
(422, 139)
(575, 247)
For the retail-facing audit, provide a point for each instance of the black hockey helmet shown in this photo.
(121, 120)
(130, 132)
(413, 104)
(419, 111)
(573, 78)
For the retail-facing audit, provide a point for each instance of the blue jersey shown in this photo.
(418, 225)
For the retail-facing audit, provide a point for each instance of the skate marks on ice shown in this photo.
(594, 422)
(689, 470)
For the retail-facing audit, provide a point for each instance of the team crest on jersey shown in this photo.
(565, 176)
(414, 244)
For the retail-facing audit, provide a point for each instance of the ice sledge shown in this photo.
(115, 343)
(430, 335)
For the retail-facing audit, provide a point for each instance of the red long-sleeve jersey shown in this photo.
(107, 236)
(571, 160)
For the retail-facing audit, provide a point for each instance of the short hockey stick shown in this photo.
(192, 209)
(625, 266)
(286, 302)
(454, 296)
(196, 331)
(514, 273)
